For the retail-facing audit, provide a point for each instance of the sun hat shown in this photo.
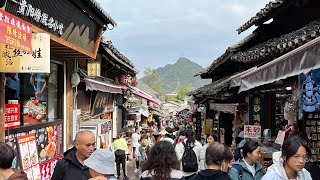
(163, 132)
(101, 161)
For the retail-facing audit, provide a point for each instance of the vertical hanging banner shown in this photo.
(14, 60)
(256, 109)
(15, 32)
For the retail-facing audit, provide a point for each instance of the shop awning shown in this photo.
(150, 98)
(300, 60)
(94, 85)
(226, 107)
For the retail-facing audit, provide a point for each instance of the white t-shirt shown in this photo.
(135, 139)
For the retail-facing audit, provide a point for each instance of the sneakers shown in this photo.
(126, 178)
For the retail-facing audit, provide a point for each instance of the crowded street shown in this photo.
(159, 90)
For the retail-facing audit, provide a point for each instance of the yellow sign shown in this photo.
(13, 60)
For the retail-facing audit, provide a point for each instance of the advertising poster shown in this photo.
(34, 98)
(29, 156)
(37, 61)
(15, 32)
(47, 168)
(12, 116)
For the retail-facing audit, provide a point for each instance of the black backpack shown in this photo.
(189, 159)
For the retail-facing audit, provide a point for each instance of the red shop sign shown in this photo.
(12, 116)
(15, 32)
(47, 168)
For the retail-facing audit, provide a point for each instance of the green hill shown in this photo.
(181, 73)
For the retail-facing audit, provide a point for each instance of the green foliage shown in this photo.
(151, 78)
(182, 93)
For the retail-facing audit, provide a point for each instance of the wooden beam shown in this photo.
(2, 105)
(65, 43)
(69, 106)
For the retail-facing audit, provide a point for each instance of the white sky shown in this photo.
(153, 33)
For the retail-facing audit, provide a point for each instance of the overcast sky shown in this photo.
(153, 33)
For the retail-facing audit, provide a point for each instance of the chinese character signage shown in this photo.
(29, 156)
(251, 131)
(14, 60)
(15, 32)
(12, 116)
(102, 103)
(256, 109)
(47, 168)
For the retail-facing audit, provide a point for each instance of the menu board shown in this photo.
(47, 168)
(46, 142)
(29, 156)
(312, 127)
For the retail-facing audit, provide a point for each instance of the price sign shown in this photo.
(251, 131)
(12, 116)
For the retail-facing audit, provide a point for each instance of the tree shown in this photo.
(181, 95)
(151, 78)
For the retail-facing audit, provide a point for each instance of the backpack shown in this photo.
(189, 159)
(239, 169)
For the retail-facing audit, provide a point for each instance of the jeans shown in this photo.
(121, 159)
(137, 162)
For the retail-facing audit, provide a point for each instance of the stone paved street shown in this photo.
(130, 170)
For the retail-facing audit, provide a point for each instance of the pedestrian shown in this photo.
(142, 152)
(167, 136)
(135, 143)
(189, 160)
(6, 157)
(72, 165)
(162, 163)
(155, 132)
(151, 139)
(294, 155)
(120, 149)
(101, 165)
(248, 167)
(281, 133)
(211, 138)
(218, 157)
(310, 166)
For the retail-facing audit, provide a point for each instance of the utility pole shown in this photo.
(2, 105)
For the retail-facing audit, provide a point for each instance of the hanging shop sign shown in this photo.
(128, 79)
(127, 93)
(29, 156)
(128, 104)
(251, 131)
(15, 32)
(17, 61)
(94, 69)
(51, 17)
(102, 103)
(12, 116)
(256, 109)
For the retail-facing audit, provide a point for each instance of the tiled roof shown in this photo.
(272, 5)
(280, 45)
(100, 11)
(107, 44)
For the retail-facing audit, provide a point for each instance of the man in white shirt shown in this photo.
(135, 143)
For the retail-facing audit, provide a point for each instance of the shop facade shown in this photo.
(37, 101)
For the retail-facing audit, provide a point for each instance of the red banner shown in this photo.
(12, 116)
(15, 32)
(47, 168)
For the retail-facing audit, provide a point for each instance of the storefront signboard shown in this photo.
(251, 131)
(16, 61)
(102, 103)
(47, 168)
(256, 109)
(15, 32)
(29, 156)
(12, 116)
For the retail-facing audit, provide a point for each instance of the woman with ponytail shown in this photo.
(247, 167)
